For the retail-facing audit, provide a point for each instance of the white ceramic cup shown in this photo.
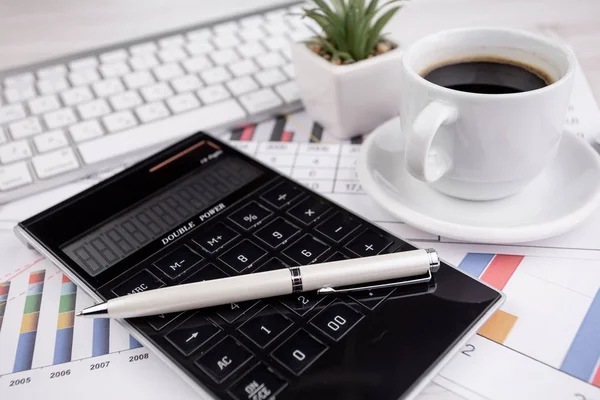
(482, 146)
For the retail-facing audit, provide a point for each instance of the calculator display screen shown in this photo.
(159, 215)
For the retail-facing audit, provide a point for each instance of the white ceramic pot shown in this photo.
(348, 100)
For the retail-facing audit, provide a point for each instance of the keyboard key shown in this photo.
(44, 104)
(75, 96)
(215, 75)
(171, 41)
(53, 85)
(119, 121)
(258, 384)
(171, 54)
(25, 128)
(143, 48)
(368, 243)
(152, 111)
(224, 359)
(60, 118)
(86, 131)
(18, 94)
(245, 67)
(55, 163)
(23, 79)
(213, 94)
(11, 113)
(183, 102)
(138, 79)
(289, 91)
(215, 237)
(192, 333)
(52, 72)
(302, 303)
(282, 194)
(114, 56)
(83, 63)
(251, 49)
(252, 34)
(231, 312)
(276, 43)
(337, 256)
(270, 77)
(371, 298)
(50, 141)
(93, 109)
(186, 83)
(277, 232)
(167, 71)
(14, 176)
(242, 85)
(197, 64)
(142, 62)
(271, 265)
(84, 77)
(228, 27)
(250, 215)
(336, 320)
(260, 100)
(226, 41)
(253, 21)
(299, 351)
(178, 262)
(270, 60)
(243, 257)
(265, 326)
(14, 151)
(199, 34)
(143, 137)
(306, 250)
(125, 100)
(114, 69)
(208, 273)
(108, 87)
(289, 70)
(309, 210)
(3, 136)
(159, 321)
(138, 283)
(338, 226)
(157, 91)
(199, 48)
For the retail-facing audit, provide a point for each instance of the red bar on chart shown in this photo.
(596, 379)
(248, 133)
(502, 267)
(287, 136)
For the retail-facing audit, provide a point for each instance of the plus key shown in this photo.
(282, 194)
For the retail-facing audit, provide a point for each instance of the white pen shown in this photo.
(322, 277)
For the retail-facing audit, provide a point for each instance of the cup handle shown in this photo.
(423, 162)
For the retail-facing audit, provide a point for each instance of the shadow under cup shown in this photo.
(511, 91)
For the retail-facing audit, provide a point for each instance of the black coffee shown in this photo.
(490, 77)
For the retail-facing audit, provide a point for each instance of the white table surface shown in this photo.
(34, 30)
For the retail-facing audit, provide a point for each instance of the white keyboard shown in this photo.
(64, 119)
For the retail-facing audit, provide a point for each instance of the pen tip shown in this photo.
(78, 313)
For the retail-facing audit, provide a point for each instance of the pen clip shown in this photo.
(330, 290)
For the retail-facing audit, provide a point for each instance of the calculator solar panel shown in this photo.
(201, 210)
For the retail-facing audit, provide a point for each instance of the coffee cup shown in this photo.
(482, 110)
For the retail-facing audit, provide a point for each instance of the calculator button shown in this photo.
(138, 283)
(178, 261)
(337, 256)
(207, 273)
(243, 256)
(305, 250)
(224, 359)
(273, 264)
(192, 333)
(159, 321)
(282, 194)
(258, 384)
(301, 303)
(338, 227)
(299, 351)
(231, 312)
(371, 298)
(309, 210)
(336, 320)
(250, 215)
(277, 232)
(368, 243)
(215, 237)
(265, 326)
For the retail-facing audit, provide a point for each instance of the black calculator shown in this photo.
(202, 210)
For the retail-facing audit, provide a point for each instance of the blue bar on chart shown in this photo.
(584, 353)
(475, 263)
(133, 343)
(100, 337)
(29, 323)
(64, 327)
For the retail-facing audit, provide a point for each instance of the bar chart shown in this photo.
(579, 354)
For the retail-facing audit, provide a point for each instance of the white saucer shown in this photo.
(564, 195)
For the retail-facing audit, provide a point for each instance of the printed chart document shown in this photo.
(543, 344)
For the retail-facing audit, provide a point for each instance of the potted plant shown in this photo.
(347, 74)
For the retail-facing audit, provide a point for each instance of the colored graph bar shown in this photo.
(64, 327)
(100, 335)
(4, 288)
(498, 326)
(596, 378)
(500, 269)
(248, 133)
(287, 136)
(278, 129)
(29, 323)
(474, 263)
(584, 353)
(356, 140)
(133, 343)
(317, 133)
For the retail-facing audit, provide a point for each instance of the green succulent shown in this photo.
(351, 29)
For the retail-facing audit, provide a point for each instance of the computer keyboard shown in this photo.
(65, 119)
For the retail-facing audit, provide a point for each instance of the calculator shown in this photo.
(200, 210)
